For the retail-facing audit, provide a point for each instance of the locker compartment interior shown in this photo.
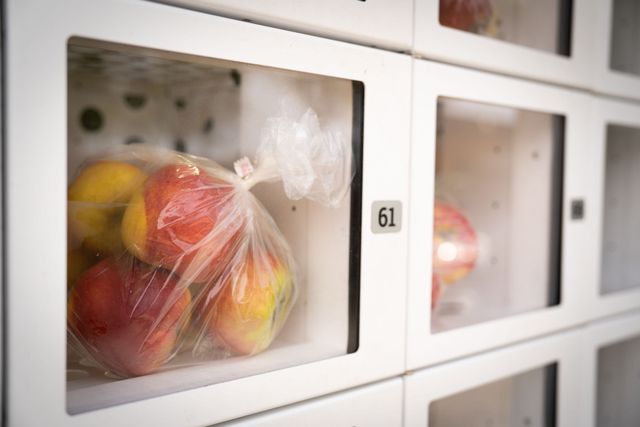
(542, 25)
(618, 384)
(624, 55)
(526, 399)
(127, 95)
(497, 212)
(620, 230)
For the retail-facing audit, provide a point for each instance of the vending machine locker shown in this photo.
(611, 378)
(375, 405)
(502, 223)
(548, 40)
(616, 58)
(616, 131)
(532, 384)
(382, 23)
(87, 98)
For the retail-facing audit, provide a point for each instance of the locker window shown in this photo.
(527, 399)
(543, 25)
(128, 96)
(497, 212)
(620, 230)
(618, 384)
(625, 34)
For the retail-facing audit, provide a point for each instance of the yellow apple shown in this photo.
(252, 306)
(97, 200)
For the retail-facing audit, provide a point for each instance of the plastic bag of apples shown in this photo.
(171, 253)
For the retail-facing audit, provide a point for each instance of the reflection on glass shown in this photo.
(618, 386)
(625, 35)
(527, 399)
(496, 242)
(621, 229)
(541, 24)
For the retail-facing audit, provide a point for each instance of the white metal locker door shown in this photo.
(309, 358)
(610, 372)
(502, 168)
(616, 131)
(510, 37)
(536, 383)
(616, 59)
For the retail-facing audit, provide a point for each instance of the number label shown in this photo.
(386, 216)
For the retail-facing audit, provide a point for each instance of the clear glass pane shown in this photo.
(621, 230)
(122, 348)
(625, 36)
(541, 24)
(527, 399)
(496, 244)
(619, 384)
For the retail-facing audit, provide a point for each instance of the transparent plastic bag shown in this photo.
(171, 253)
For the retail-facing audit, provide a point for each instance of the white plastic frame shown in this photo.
(435, 41)
(382, 23)
(36, 205)
(606, 80)
(578, 269)
(596, 336)
(374, 405)
(616, 113)
(428, 385)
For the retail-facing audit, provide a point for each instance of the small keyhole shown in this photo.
(577, 209)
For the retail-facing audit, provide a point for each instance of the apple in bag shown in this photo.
(128, 316)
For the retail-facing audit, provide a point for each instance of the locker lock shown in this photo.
(577, 209)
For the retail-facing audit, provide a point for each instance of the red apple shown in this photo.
(78, 261)
(465, 15)
(127, 315)
(435, 290)
(455, 246)
(184, 220)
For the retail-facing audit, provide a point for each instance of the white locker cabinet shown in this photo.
(530, 384)
(382, 23)
(616, 57)
(611, 379)
(502, 222)
(374, 405)
(100, 74)
(548, 40)
(616, 131)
